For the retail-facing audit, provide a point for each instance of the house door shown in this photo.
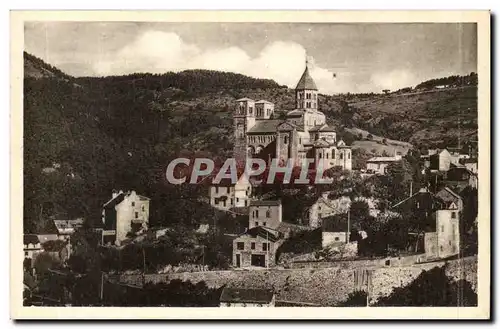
(238, 260)
(259, 260)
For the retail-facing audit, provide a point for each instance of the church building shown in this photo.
(302, 134)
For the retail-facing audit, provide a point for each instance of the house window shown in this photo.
(341, 156)
(327, 155)
(228, 189)
(252, 245)
(217, 190)
(337, 238)
(453, 214)
(320, 155)
(264, 247)
(251, 110)
(264, 224)
(348, 155)
(268, 214)
(449, 243)
(143, 208)
(256, 213)
(418, 205)
(136, 214)
(26, 254)
(133, 204)
(216, 201)
(285, 140)
(256, 223)
(441, 248)
(240, 245)
(237, 200)
(442, 228)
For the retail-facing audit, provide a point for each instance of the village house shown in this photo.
(125, 212)
(325, 207)
(66, 227)
(378, 165)
(256, 247)
(444, 240)
(334, 232)
(470, 164)
(448, 195)
(237, 297)
(442, 159)
(421, 204)
(302, 134)
(227, 195)
(460, 177)
(266, 213)
(31, 246)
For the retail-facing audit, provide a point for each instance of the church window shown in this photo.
(320, 155)
(308, 104)
(285, 140)
(341, 156)
(327, 155)
(348, 155)
(453, 214)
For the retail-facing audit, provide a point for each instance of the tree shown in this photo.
(432, 288)
(384, 141)
(355, 299)
(386, 91)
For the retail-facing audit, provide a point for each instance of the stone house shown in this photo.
(444, 240)
(256, 247)
(447, 195)
(125, 212)
(266, 213)
(31, 246)
(237, 297)
(227, 195)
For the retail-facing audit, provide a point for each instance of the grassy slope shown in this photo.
(425, 117)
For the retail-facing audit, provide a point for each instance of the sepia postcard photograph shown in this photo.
(250, 165)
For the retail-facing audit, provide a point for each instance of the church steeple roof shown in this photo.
(306, 81)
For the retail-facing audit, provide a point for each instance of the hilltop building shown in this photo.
(378, 165)
(302, 134)
(124, 213)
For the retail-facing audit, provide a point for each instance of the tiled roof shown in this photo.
(264, 232)
(294, 113)
(237, 295)
(244, 99)
(114, 201)
(265, 126)
(383, 159)
(327, 128)
(265, 202)
(306, 81)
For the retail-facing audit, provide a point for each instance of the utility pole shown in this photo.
(348, 225)
(143, 266)
(102, 287)
(268, 246)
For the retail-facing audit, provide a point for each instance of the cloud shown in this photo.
(283, 61)
(394, 80)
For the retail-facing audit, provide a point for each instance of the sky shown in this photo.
(342, 57)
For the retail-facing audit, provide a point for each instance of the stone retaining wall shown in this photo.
(324, 286)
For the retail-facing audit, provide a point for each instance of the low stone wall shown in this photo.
(325, 286)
